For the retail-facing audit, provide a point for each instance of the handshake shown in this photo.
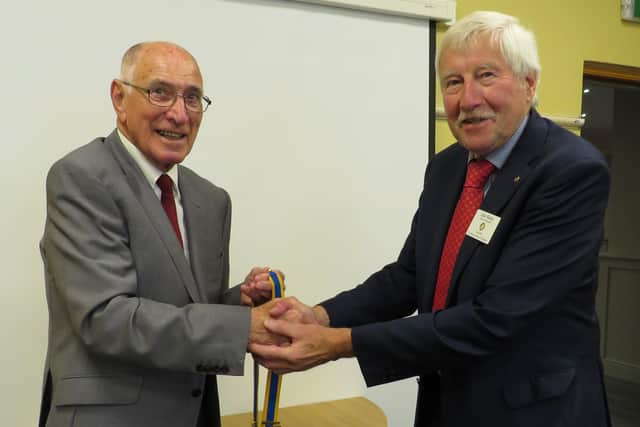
(287, 335)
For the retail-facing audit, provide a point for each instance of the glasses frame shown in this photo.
(147, 91)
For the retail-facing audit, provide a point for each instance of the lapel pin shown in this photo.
(516, 179)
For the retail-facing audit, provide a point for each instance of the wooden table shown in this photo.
(352, 412)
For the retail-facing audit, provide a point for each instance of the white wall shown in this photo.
(318, 130)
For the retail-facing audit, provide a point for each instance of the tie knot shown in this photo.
(478, 172)
(165, 183)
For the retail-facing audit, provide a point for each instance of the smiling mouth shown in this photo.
(171, 135)
(473, 120)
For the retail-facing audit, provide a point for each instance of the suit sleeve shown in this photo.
(548, 262)
(91, 269)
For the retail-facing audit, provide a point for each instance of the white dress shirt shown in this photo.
(152, 174)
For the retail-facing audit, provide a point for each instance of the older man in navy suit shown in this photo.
(501, 261)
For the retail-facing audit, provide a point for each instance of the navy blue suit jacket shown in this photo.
(518, 341)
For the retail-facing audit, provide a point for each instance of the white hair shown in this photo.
(516, 43)
(129, 60)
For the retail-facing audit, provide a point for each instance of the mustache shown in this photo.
(475, 115)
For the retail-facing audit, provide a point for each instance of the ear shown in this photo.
(531, 83)
(117, 99)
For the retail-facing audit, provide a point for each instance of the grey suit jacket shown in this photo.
(134, 328)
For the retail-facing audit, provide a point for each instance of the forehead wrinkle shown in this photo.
(457, 58)
(161, 71)
(488, 65)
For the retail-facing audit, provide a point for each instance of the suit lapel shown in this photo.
(157, 217)
(508, 179)
(442, 190)
(200, 241)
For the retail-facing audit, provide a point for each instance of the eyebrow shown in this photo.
(166, 83)
(444, 77)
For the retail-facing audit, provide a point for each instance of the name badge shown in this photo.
(482, 226)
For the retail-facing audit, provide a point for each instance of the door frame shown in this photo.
(604, 70)
(609, 265)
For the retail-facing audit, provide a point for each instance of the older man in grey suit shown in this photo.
(141, 316)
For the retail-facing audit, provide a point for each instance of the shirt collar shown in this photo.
(499, 156)
(150, 171)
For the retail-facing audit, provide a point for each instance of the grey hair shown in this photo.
(129, 60)
(516, 43)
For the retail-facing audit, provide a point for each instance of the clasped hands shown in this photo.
(287, 335)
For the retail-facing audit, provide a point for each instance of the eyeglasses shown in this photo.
(165, 95)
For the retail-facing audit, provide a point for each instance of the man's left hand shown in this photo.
(256, 288)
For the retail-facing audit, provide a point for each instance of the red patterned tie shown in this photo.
(478, 172)
(169, 204)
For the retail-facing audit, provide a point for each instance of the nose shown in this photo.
(178, 111)
(471, 96)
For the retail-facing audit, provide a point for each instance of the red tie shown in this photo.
(478, 172)
(169, 204)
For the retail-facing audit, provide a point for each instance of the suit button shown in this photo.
(196, 392)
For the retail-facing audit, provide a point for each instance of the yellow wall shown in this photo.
(569, 32)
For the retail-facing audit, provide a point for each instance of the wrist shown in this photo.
(321, 315)
(341, 343)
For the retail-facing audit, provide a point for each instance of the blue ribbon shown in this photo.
(274, 381)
